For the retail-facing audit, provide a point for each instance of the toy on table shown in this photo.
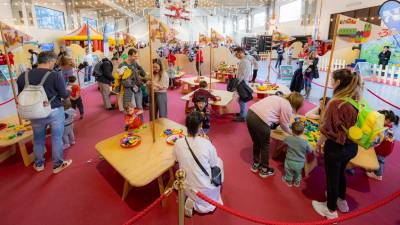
(130, 140)
(268, 87)
(173, 138)
(311, 130)
(172, 135)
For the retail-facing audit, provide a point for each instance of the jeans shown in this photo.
(336, 158)
(56, 122)
(243, 109)
(137, 101)
(293, 170)
(88, 73)
(260, 134)
(161, 105)
(381, 160)
(69, 136)
(278, 62)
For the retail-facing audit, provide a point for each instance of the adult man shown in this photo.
(54, 87)
(104, 81)
(88, 69)
(138, 77)
(33, 59)
(244, 72)
(384, 57)
(199, 60)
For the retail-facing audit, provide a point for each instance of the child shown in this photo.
(387, 146)
(132, 118)
(171, 74)
(296, 155)
(75, 97)
(315, 113)
(68, 136)
(201, 106)
(202, 91)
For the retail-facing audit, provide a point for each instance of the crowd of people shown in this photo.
(132, 84)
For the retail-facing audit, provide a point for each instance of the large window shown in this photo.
(49, 18)
(259, 19)
(242, 24)
(91, 22)
(289, 12)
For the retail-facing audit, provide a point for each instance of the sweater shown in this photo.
(297, 148)
(54, 86)
(203, 92)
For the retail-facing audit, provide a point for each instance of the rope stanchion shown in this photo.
(322, 222)
(149, 208)
(382, 99)
(320, 85)
(5, 102)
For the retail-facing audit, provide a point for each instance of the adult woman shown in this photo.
(263, 116)
(160, 85)
(67, 66)
(310, 73)
(338, 149)
(196, 179)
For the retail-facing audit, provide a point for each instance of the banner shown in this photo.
(14, 38)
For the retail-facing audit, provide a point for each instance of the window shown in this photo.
(242, 24)
(259, 19)
(49, 18)
(290, 11)
(91, 22)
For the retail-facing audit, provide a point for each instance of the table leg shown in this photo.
(187, 109)
(7, 154)
(125, 191)
(309, 166)
(27, 158)
(162, 189)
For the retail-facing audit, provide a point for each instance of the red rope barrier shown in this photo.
(322, 222)
(380, 98)
(146, 210)
(320, 85)
(5, 102)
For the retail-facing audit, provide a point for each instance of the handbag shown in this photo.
(232, 84)
(216, 176)
(245, 92)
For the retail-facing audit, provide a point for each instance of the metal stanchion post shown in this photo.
(179, 185)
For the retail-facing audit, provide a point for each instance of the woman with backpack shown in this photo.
(338, 149)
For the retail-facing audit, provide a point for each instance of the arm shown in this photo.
(284, 119)
(313, 113)
(213, 157)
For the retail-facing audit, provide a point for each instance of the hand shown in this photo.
(318, 151)
(218, 98)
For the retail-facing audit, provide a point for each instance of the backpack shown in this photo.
(32, 101)
(98, 70)
(369, 129)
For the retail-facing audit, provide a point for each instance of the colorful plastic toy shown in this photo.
(171, 140)
(168, 132)
(130, 140)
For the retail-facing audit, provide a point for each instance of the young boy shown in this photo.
(132, 118)
(68, 136)
(171, 74)
(75, 97)
(296, 155)
(202, 91)
(201, 106)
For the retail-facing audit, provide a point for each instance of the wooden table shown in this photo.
(262, 94)
(19, 141)
(222, 76)
(144, 163)
(365, 158)
(220, 106)
(189, 82)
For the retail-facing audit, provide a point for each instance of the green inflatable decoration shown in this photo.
(124, 56)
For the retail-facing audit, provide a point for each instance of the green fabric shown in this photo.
(297, 148)
(293, 171)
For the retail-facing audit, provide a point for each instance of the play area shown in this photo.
(199, 112)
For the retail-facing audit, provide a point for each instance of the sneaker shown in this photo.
(189, 204)
(289, 184)
(374, 176)
(297, 183)
(63, 165)
(266, 172)
(38, 168)
(342, 205)
(72, 143)
(66, 146)
(239, 119)
(254, 168)
(81, 117)
(322, 209)
(237, 114)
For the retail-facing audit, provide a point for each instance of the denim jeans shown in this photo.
(243, 109)
(381, 160)
(56, 121)
(88, 73)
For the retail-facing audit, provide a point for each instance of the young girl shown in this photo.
(171, 74)
(315, 113)
(387, 146)
(338, 148)
(68, 136)
(160, 85)
(75, 97)
(132, 118)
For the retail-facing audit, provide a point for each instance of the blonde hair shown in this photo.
(296, 100)
(351, 84)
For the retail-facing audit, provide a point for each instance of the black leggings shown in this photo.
(260, 133)
(78, 103)
(336, 159)
(254, 75)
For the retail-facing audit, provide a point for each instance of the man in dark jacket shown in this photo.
(384, 57)
(105, 80)
(54, 86)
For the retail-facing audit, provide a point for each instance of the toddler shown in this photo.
(202, 91)
(171, 74)
(296, 155)
(68, 136)
(201, 106)
(132, 118)
(387, 145)
(75, 97)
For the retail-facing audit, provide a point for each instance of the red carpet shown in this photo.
(89, 192)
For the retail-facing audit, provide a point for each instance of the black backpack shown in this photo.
(98, 69)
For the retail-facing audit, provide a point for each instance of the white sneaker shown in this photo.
(66, 146)
(322, 209)
(63, 165)
(374, 176)
(342, 205)
(189, 204)
(38, 168)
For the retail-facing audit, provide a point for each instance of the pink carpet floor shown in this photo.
(89, 192)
